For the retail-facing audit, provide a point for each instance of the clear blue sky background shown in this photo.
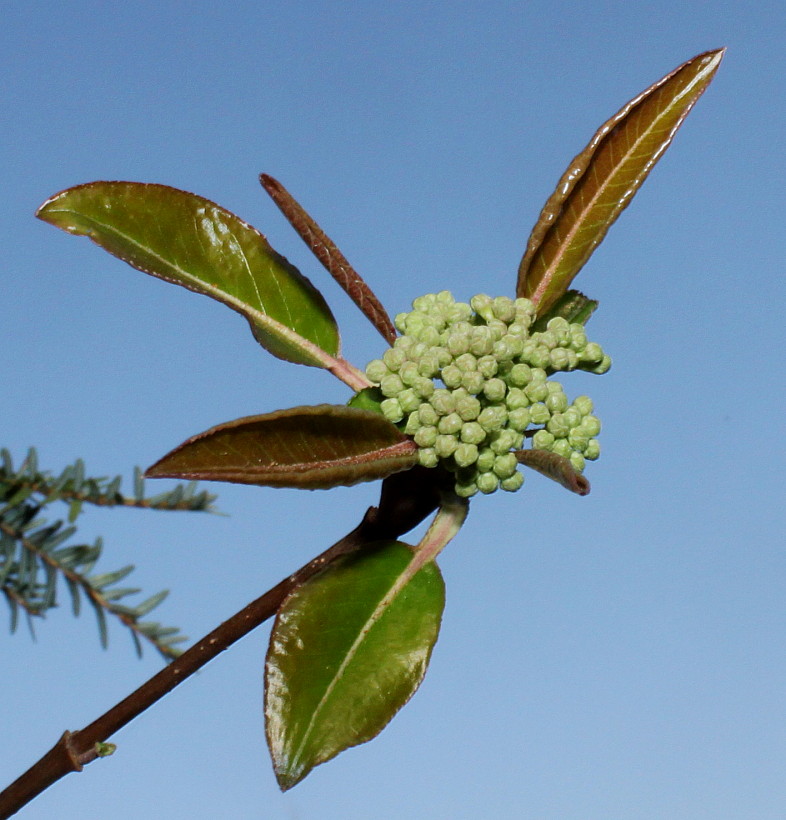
(615, 656)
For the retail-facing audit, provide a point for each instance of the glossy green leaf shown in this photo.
(312, 448)
(603, 178)
(370, 398)
(190, 241)
(348, 649)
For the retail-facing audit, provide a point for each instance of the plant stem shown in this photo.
(406, 499)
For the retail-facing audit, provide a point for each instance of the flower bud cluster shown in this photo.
(467, 380)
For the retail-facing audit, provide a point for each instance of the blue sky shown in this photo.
(620, 655)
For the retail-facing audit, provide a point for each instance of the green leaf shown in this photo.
(369, 398)
(348, 649)
(190, 241)
(600, 182)
(310, 448)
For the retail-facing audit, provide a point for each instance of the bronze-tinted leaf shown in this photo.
(603, 178)
(311, 448)
(190, 241)
(555, 467)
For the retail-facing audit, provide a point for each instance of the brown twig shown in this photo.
(331, 257)
(406, 499)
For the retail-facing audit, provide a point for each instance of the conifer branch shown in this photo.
(34, 554)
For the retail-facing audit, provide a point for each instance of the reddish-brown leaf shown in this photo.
(311, 448)
(603, 178)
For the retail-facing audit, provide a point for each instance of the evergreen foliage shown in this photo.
(34, 552)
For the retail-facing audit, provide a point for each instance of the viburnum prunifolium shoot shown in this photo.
(468, 380)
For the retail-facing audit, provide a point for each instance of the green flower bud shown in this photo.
(505, 465)
(487, 366)
(408, 373)
(592, 353)
(430, 336)
(577, 439)
(443, 401)
(572, 417)
(560, 328)
(413, 424)
(520, 375)
(497, 329)
(444, 446)
(472, 433)
(557, 402)
(546, 339)
(473, 382)
(445, 297)
(513, 483)
(577, 460)
(466, 490)
(494, 390)
(536, 391)
(427, 457)
(376, 370)
(391, 410)
(539, 413)
(518, 419)
(401, 322)
(482, 342)
(561, 447)
(560, 359)
(423, 387)
(428, 415)
(504, 309)
(603, 366)
(542, 440)
(487, 483)
(457, 343)
(485, 460)
(524, 308)
(558, 426)
(519, 330)
(493, 418)
(482, 305)
(394, 357)
(459, 312)
(465, 454)
(391, 386)
(409, 400)
(583, 404)
(468, 407)
(427, 365)
(416, 351)
(504, 440)
(426, 436)
(452, 376)
(444, 356)
(424, 303)
(578, 337)
(450, 424)
(516, 398)
(466, 363)
(592, 450)
(514, 344)
(590, 426)
(540, 357)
